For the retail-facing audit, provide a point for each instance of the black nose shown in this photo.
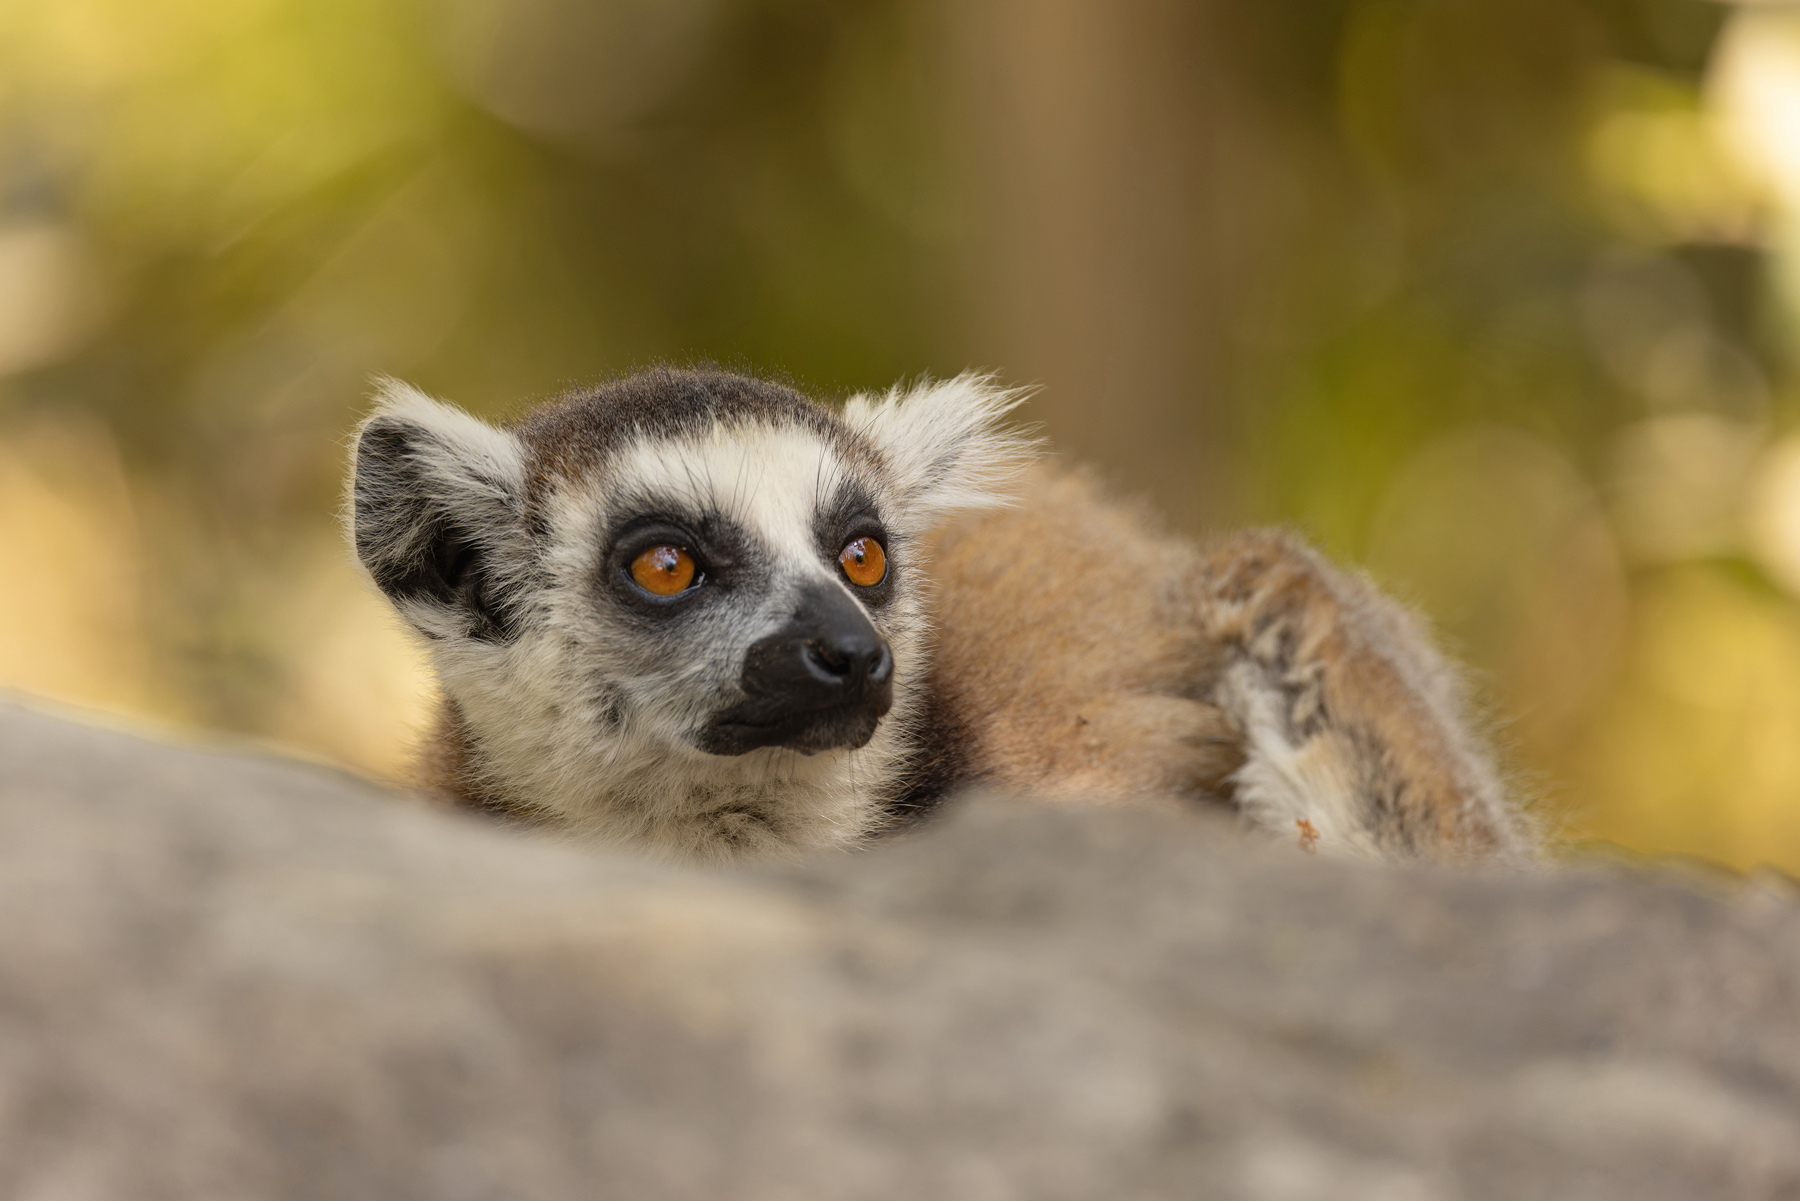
(823, 680)
(829, 654)
(849, 658)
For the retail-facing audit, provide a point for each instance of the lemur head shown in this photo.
(684, 609)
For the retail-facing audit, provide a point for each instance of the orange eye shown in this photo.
(663, 570)
(864, 562)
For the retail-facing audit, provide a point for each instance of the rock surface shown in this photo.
(229, 976)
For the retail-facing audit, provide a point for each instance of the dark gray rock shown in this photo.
(229, 976)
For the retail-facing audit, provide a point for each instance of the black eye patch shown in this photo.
(725, 556)
(849, 514)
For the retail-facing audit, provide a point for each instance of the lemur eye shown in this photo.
(864, 562)
(663, 570)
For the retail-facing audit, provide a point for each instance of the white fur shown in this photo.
(1283, 781)
(949, 450)
(469, 447)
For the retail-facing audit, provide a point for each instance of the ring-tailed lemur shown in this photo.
(701, 614)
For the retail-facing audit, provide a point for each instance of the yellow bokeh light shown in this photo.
(1774, 512)
(1697, 753)
(71, 546)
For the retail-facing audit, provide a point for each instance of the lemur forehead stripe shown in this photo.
(782, 483)
(574, 434)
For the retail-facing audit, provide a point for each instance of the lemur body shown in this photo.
(702, 615)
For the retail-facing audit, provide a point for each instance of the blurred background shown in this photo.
(1497, 298)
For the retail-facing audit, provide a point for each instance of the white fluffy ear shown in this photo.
(945, 442)
(436, 503)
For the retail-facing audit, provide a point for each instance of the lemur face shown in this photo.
(690, 572)
(738, 585)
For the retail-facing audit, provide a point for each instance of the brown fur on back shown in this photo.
(1085, 652)
(1063, 650)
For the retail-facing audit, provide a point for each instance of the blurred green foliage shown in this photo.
(1457, 286)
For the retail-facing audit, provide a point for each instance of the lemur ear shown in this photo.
(945, 442)
(435, 516)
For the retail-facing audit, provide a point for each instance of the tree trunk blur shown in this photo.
(1111, 212)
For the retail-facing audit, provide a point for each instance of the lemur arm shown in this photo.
(1355, 734)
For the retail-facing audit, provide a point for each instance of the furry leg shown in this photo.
(1354, 729)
